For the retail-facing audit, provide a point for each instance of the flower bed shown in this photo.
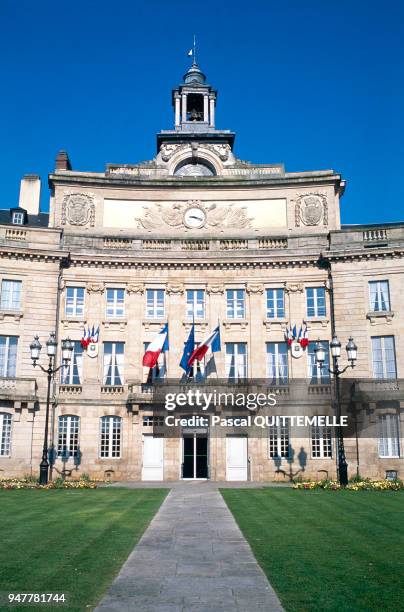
(58, 483)
(357, 485)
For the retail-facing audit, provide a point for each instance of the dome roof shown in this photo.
(194, 75)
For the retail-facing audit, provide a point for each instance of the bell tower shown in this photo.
(194, 102)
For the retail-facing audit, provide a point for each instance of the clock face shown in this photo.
(194, 217)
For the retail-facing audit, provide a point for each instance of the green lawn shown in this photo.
(325, 550)
(70, 541)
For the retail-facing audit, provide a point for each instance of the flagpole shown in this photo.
(194, 58)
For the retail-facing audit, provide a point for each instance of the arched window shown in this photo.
(68, 435)
(197, 167)
(5, 434)
(110, 437)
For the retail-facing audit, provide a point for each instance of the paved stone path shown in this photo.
(192, 558)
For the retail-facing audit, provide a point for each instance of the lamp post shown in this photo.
(335, 348)
(51, 346)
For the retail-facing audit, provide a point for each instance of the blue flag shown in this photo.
(188, 349)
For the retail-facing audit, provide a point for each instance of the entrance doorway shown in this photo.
(153, 458)
(236, 458)
(195, 456)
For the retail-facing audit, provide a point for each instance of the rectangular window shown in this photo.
(155, 307)
(153, 421)
(277, 363)
(72, 374)
(159, 372)
(316, 374)
(278, 441)
(68, 436)
(113, 363)
(8, 355)
(389, 435)
(115, 303)
(236, 361)
(315, 302)
(18, 218)
(10, 295)
(379, 296)
(275, 303)
(5, 434)
(321, 442)
(110, 437)
(74, 304)
(195, 304)
(235, 303)
(384, 357)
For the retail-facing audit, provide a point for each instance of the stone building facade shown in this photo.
(196, 234)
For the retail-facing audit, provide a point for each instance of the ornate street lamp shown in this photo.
(352, 352)
(51, 347)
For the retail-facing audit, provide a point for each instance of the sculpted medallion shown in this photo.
(311, 209)
(78, 209)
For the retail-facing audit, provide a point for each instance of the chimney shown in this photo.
(63, 161)
(30, 191)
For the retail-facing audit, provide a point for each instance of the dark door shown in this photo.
(188, 465)
(201, 457)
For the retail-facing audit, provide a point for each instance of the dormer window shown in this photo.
(17, 218)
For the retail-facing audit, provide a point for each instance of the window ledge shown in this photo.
(241, 323)
(275, 322)
(11, 314)
(380, 314)
(115, 323)
(73, 322)
(316, 322)
(152, 323)
(202, 323)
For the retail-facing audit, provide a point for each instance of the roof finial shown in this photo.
(194, 52)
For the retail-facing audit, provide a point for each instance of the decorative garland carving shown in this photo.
(175, 289)
(95, 287)
(215, 289)
(293, 287)
(135, 288)
(255, 288)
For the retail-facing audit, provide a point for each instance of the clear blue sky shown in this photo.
(312, 84)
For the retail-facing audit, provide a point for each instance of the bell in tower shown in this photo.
(194, 102)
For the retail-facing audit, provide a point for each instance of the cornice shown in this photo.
(364, 255)
(218, 182)
(32, 254)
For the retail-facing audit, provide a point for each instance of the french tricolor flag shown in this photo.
(304, 341)
(212, 341)
(158, 345)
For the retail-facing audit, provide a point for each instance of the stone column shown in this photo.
(212, 112)
(177, 111)
(184, 108)
(206, 108)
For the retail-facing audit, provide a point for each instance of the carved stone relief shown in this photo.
(78, 209)
(255, 288)
(158, 216)
(294, 287)
(215, 288)
(175, 289)
(311, 209)
(95, 287)
(135, 288)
